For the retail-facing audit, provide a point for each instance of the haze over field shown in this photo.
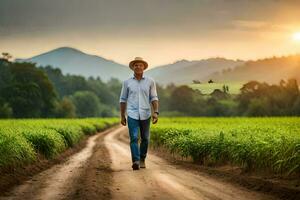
(221, 70)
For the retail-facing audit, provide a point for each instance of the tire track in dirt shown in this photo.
(160, 180)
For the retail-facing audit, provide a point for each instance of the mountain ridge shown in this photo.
(73, 61)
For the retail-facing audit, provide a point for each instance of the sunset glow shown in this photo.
(296, 36)
(162, 32)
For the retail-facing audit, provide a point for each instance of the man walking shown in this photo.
(137, 95)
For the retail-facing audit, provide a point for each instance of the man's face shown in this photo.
(138, 67)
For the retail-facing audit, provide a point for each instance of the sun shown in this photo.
(296, 36)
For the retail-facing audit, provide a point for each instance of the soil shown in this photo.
(102, 170)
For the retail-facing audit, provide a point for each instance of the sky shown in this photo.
(160, 31)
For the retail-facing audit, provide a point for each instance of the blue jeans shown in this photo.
(138, 153)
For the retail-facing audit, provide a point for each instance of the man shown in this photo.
(137, 95)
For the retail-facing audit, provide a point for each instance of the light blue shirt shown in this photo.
(138, 94)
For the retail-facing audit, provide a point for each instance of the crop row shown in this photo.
(21, 140)
(267, 144)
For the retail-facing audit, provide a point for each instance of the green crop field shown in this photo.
(267, 144)
(22, 140)
(207, 88)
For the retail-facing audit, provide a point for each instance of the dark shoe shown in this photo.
(136, 165)
(142, 164)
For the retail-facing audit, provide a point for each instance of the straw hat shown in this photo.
(138, 59)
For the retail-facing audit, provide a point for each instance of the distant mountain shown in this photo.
(184, 71)
(270, 70)
(73, 61)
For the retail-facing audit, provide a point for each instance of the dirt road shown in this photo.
(102, 170)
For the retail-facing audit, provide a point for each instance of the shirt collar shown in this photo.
(143, 77)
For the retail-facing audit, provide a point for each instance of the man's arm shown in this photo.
(155, 105)
(155, 109)
(123, 109)
(154, 102)
(123, 100)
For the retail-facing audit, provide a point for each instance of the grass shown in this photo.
(21, 140)
(208, 88)
(266, 144)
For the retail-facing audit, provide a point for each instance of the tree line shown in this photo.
(28, 91)
(255, 99)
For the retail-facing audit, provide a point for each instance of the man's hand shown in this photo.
(154, 118)
(123, 120)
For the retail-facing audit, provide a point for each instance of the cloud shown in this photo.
(149, 26)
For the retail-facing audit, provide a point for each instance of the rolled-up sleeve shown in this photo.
(124, 92)
(153, 93)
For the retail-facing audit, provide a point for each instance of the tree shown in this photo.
(248, 91)
(296, 107)
(269, 100)
(218, 94)
(215, 108)
(5, 109)
(30, 93)
(87, 104)
(259, 107)
(225, 88)
(5, 75)
(65, 108)
(186, 100)
(6, 56)
(196, 82)
(181, 99)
